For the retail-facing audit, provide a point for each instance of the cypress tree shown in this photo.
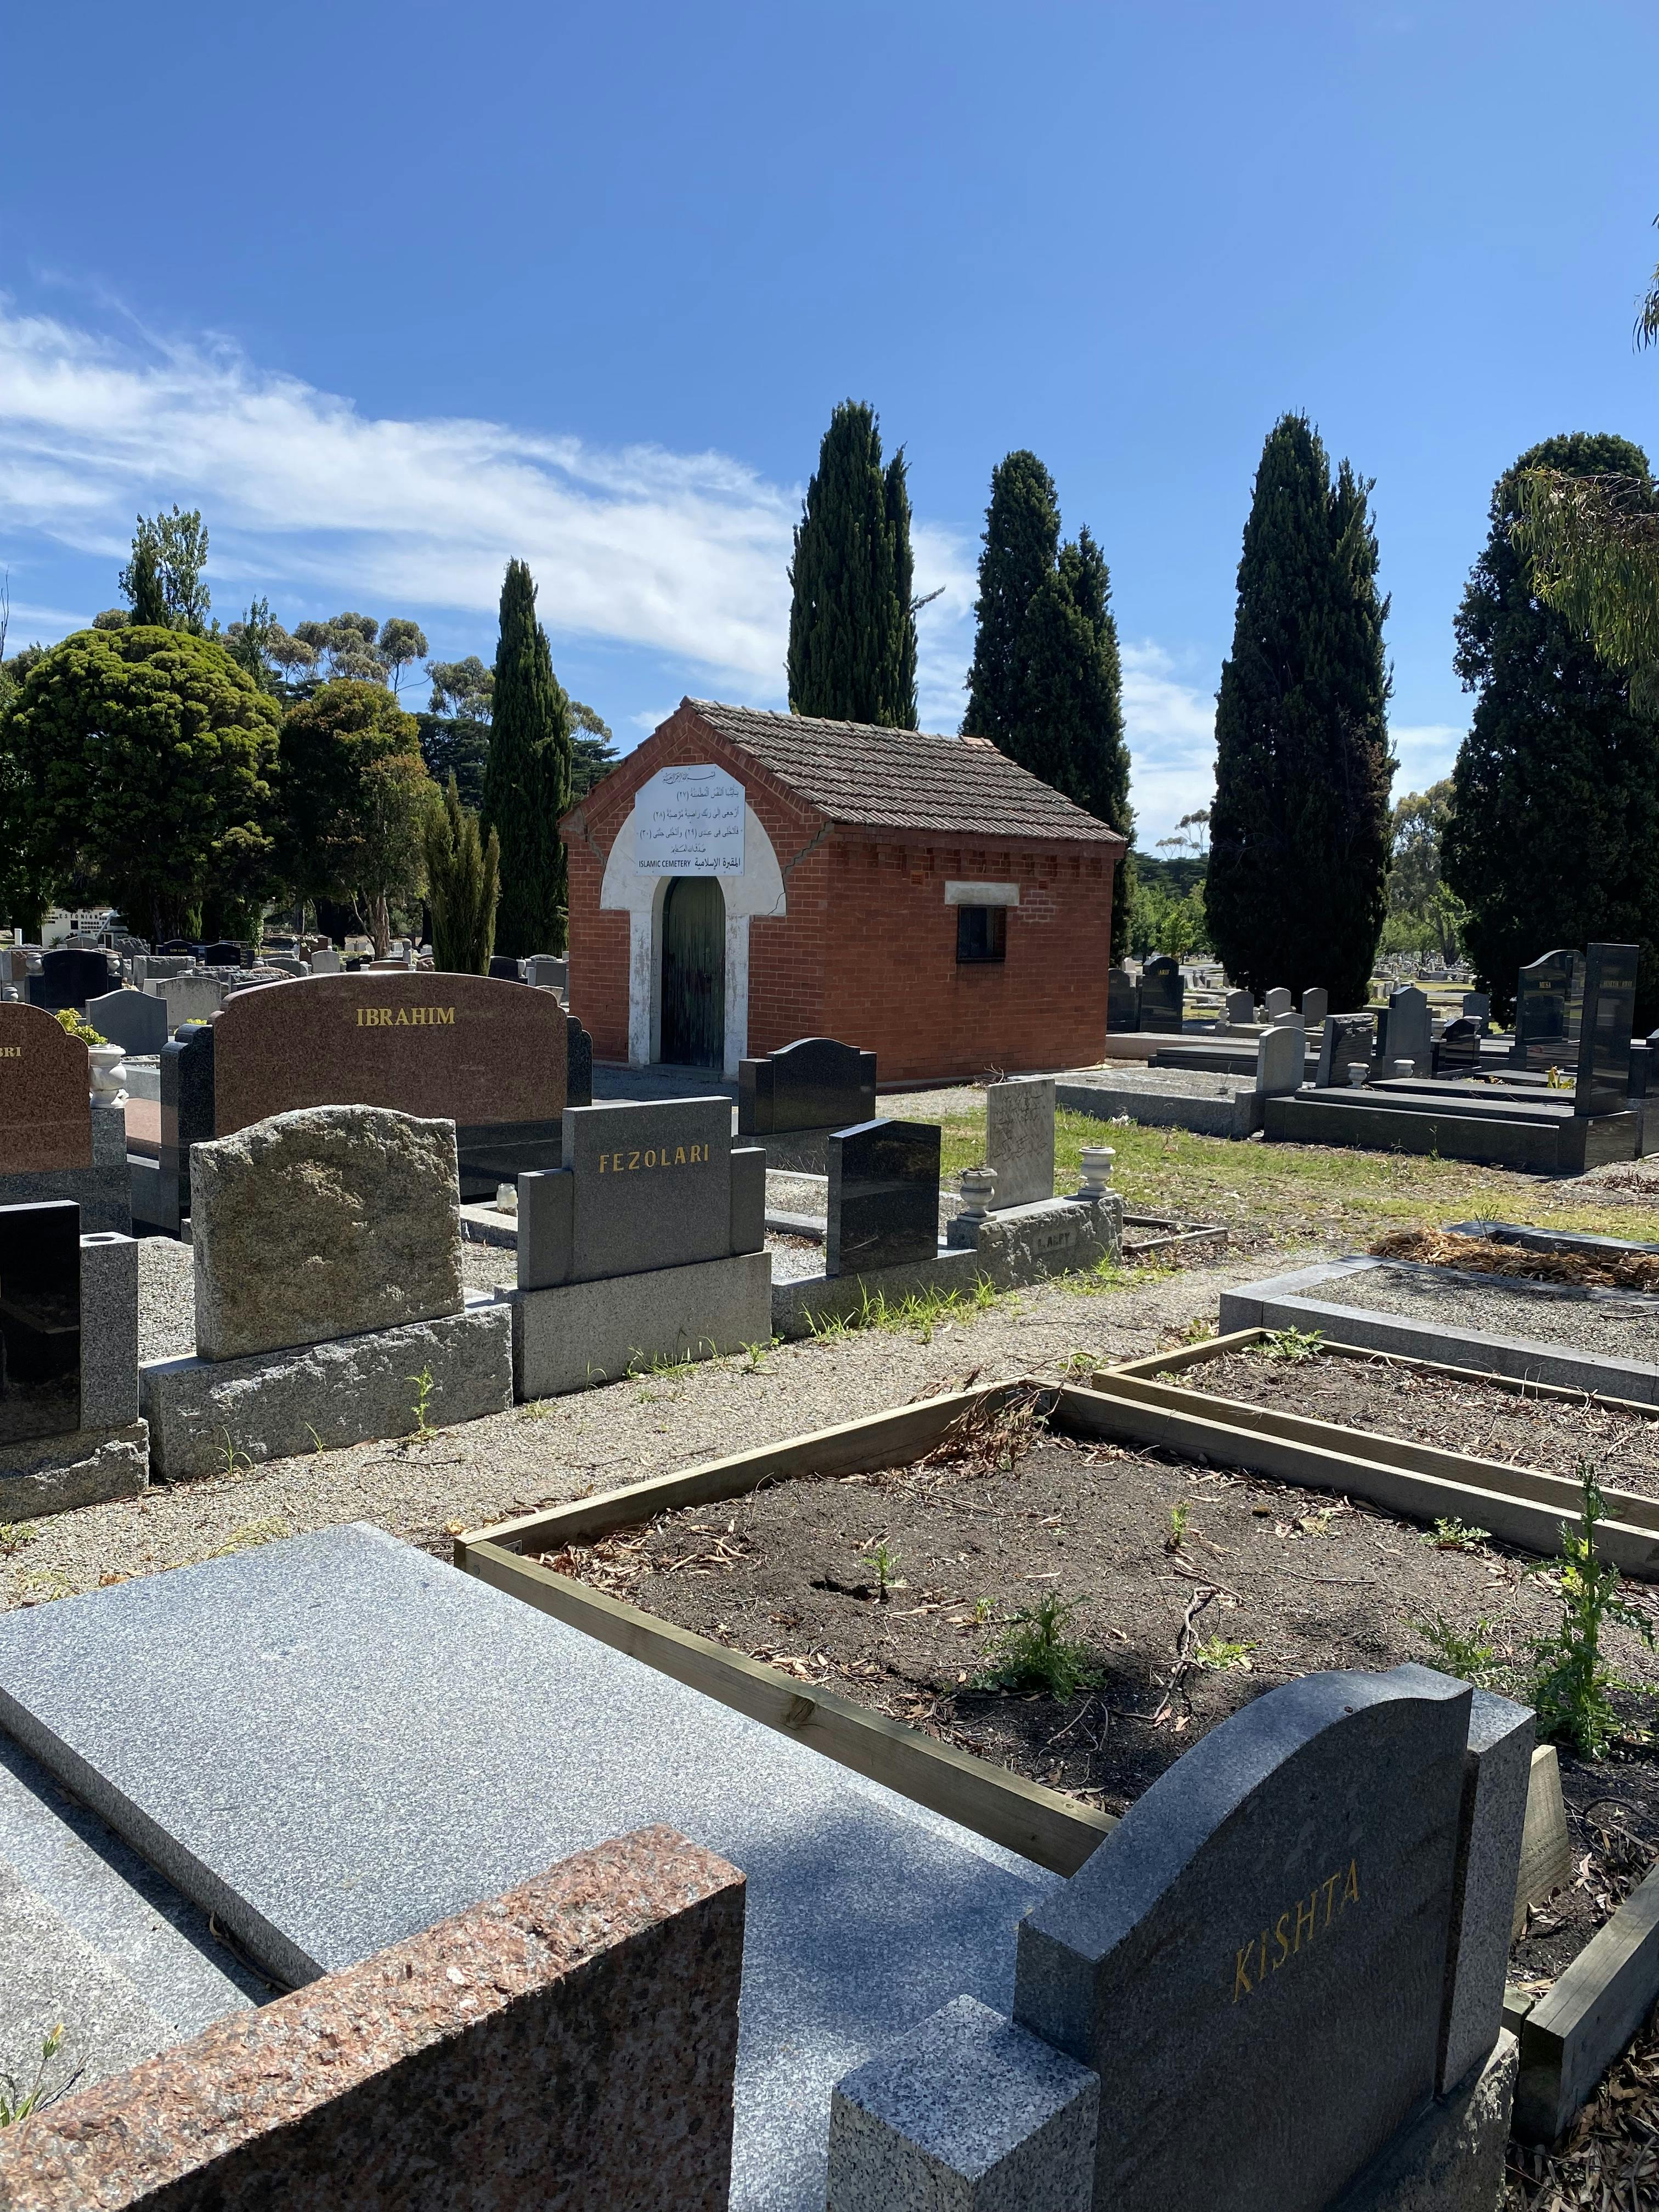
(463, 881)
(149, 604)
(1554, 834)
(1046, 686)
(527, 780)
(852, 625)
(1299, 830)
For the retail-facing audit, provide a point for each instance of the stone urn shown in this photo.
(1096, 1170)
(107, 1072)
(979, 1190)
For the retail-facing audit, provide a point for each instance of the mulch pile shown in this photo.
(1481, 1255)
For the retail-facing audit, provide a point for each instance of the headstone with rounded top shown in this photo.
(1278, 1001)
(1241, 1009)
(1316, 1005)
(69, 978)
(1163, 994)
(817, 1083)
(135, 1020)
(1280, 1058)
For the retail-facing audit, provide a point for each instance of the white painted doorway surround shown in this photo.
(643, 863)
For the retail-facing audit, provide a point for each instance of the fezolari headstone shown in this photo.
(815, 1082)
(1162, 995)
(489, 1056)
(689, 822)
(1254, 1962)
(46, 1120)
(644, 1185)
(1019, 1138)
(883, 1196)
(1609, 1016)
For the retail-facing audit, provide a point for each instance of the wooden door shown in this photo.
(694, 973)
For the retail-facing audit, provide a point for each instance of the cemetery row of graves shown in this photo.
(1015, 1793)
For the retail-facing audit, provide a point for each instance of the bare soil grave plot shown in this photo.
(1185, 1592)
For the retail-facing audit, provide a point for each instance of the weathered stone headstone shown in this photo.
(461, 1048)
(133, 1019)
(1278, 1001)
(1407, 1030)
(1548, 1005)
(1609, 1016)
(1019, 1138)
(1240, 1009)
(883, 1196)
(1346, 1041)
(190, 996)
(44, 1112)
(1122, 1000)
(1458, 1052)
(1162, 995)
(1316, 1005)
(1280, 1058)
(1273, 1914)
(815, 1082)
(69, 978)
(321, 1225)
(545, 972)
(39, 1320)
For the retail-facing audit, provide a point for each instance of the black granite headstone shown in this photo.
(221, 953)
(883, 1196)
(1163, 995)
(578, 1075)
(1549, 1002)
(69, 978)
(1122, 1000)
(177, 945)
(508, 971)
(1346, 1041)
(813, 1084)
(39, 1320)
(1604, 1041)
(1458, 1053)
(161, 1197)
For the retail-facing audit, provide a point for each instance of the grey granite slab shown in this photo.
(334, 1741)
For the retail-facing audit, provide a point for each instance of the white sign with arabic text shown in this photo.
(689, 822)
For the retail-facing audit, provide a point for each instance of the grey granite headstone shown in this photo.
(188, 998)
(1240, 1009)
(324, 960)
(332, 1742)
(1255, 1961)
(1278, 1001)
(547, 973)
(1458, 1052)
(1497, 1773)
(132, 1019)
(1604, 1038)
(1019, 1138)
(1316, 1005)
(645, 1184)
(1162, 995)
(1405, 1031)
(1122, 1000)
(1346, 1041)
(509, 970)
(1477, 1007)
(1280, 1058)
(883, 1196)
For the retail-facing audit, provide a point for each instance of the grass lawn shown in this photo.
(1294, 1193)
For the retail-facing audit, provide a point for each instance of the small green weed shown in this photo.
(1573, 1683)
(1181, 1515)
(14, 1535)
(421, 1412)
(756, 1355)
(250, 1536)
(1471, 1655)
(1080, 1362)
(1293, 1343)
(1218, 1657)
(317, 1443)
(234, 1463)
(17, 2103)
(884, 1559)
(1034, 1653)
(42, 1585)
(1199, 1330)
(1454, 1536)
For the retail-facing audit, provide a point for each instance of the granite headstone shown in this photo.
(1406, 1031)
(1346, 1041)
(1477, 1007)
(883, 1196)
(39, 1320)
(1163, 994)
(1278, 1001)
(1122, 1000)
(815, 1082)
(579, 1076)
(1019, 1138)
(1240, 1009)
(1548, 1007)
(45, 1120)
(1280, 1060)
(133, 1019)
(69, 978)
(1316, 1005)
(506, 969)
(221, 953)
(1604, 1038)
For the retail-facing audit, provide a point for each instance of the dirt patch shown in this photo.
(1484, 1255)
(1609, 2157)
(1480, 1418)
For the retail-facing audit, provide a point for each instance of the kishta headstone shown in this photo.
(817, 1083)
(883, 1196)
(1019, 1138)
(1255, 1961)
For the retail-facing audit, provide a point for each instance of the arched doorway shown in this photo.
(694, 973)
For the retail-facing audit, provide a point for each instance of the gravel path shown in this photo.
(1617, 1324)
(564, 1447)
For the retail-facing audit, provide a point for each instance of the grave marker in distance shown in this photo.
(817, 1083)
(1604, 1037)
(1019, 1138)
(1548, 1006)
(1162, 995)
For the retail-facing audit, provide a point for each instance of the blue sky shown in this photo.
(394, 293)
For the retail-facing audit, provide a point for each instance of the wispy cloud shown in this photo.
(1426, 751)
(1170, 726)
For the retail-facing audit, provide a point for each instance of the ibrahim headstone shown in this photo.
(468, 1049)
(1458, 1052)
(1407, 1030)
(69, 978)
(883, 1196)
(133, 1019)
(1255, 1961)
(1122, 1000)
(1346, 1041)
(1316, 1005)
(1604, 1040)
(645, 1185)
(814, 1084)
(321, 1224)
(39, 1320)
(45, 1122)
(1548, 1004)
(1162, 995)
(1019, 1138)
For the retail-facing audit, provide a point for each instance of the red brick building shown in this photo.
(746, 878)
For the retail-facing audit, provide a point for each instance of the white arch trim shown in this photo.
(758, 890)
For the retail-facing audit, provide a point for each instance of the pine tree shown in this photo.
(852, 624)
(1299, 830)
(1046, 686)
(527, 780)
(463, 877)
(1554, 834)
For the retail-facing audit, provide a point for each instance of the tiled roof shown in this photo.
(857, 773)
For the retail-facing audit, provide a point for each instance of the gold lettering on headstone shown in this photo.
(1299, 1923)
(413, 1018)
(683, 1156)
(11, 1052)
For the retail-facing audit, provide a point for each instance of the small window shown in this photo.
(981, 934)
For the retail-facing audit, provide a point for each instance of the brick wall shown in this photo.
(867, 951)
